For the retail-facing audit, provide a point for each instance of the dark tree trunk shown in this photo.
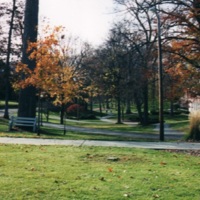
(172, 108)
(91, 103)
(128, 106)
(27, 102)
(107, 103)
(62, 113)
(119, 115)
(100, 104)
(196, 6)
(27, 98)
(7, 69)
(138, 106)
(146, 107)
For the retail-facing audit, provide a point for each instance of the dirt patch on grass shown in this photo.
(187, 152)
(113, 158)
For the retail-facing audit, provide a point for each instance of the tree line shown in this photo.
(124, 68)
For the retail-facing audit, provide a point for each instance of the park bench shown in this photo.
(24, 122)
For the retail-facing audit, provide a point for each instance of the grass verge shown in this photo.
(58, 172)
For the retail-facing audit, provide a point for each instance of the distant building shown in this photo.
(190, 102)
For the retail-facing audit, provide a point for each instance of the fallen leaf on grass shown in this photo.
(156, 196)
(126, 195)
(163, 163)
(110, 169)
(102, 179)
(96, 188)
(32, 169)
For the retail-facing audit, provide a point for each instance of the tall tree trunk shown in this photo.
(196, 6)
(146, 107)
(119, 115)
(128, 106)
(91, 103)
(27, 97)
(7, 69)
(62, 113)
(100, 104)
(107, 103)
(171, 107)
(138, 106)
(153, 96)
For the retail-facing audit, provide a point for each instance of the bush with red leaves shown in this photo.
(74, 108)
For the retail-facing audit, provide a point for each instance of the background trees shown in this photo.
(15, 7)
(124, 68)
(7, 69)
(9, 50)
(139, 30)
(179, 35)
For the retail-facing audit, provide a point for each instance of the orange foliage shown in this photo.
(180, 76)
(187, 33)
(51, 73)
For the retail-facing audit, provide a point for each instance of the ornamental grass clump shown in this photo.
(194, 131)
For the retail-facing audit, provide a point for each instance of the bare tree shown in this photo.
(139, 30)
(11, 15)
(7, 69)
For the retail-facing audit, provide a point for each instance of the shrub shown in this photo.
(79, 112)
(194, 132)
(133, 117)
(154, 112)
(74, 108)
(88, 116)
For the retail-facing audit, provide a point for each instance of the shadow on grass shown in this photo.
(54, 133)
(73, 135)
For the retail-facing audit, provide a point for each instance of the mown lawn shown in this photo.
(59, 172)
(55, 133)
(178, 123)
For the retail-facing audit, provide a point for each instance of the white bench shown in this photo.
(23, 121)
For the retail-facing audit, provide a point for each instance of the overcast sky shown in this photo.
(88, 19)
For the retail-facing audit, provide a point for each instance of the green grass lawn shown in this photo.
(54, 133)
(58, 172)
(177, 122)
(113, 126)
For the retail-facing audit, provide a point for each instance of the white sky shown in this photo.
(88, 19)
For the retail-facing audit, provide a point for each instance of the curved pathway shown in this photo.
(169, 134)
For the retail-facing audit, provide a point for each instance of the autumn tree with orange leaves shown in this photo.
(175, 80)
(182, 43)
(184, 22)
(52, 75)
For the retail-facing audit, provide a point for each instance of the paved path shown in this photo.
(169, 133)
(79, 143)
